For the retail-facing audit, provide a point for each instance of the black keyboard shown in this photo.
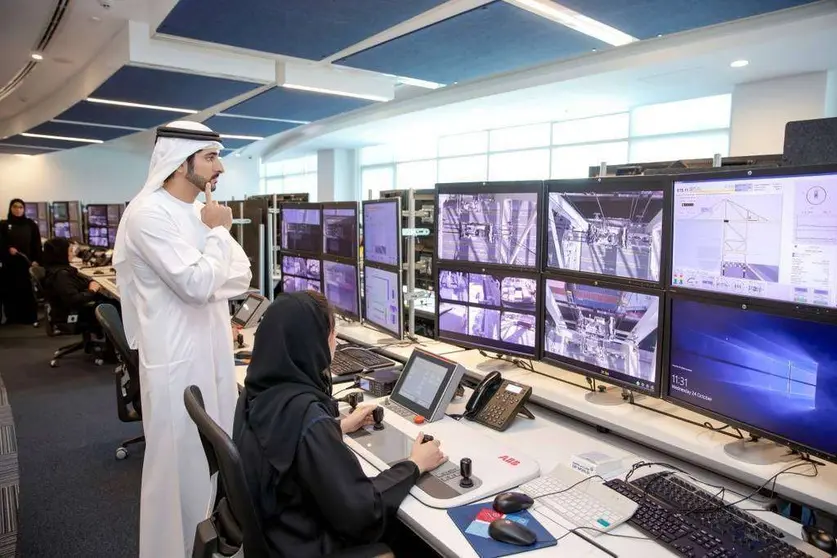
(367, 358)
(342, 365)
(690, 521)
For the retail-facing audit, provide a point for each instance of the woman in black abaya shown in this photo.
(20, 241)
(310, 493)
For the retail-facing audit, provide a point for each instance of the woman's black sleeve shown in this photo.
(355, 506)
(65, 288)
(36, 250)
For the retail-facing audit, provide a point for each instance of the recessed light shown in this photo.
(739, 63)
(37, 56)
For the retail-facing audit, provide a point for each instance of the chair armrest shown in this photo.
(377, 550)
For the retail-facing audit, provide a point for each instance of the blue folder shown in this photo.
(475, 530)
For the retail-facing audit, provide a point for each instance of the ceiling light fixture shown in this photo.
(739, 63)
(37, 56)
(334, 92)
(60, 138)
(139, 105)
(237, 137)
(574, 20)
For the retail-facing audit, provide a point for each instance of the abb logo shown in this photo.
(510, 460)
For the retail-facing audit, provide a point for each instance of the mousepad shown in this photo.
(473, 520)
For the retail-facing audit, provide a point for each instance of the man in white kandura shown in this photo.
(177, 266)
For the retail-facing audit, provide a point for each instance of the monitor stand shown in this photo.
(759, 452)
(606, 396)
(499, 364)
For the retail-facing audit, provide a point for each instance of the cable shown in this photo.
(354, 385)
(569, 487)
(708, 425)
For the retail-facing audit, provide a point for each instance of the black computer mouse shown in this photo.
(512, 502)
(819, 538)
(508, 531)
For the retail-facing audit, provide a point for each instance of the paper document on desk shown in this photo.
(473, 520)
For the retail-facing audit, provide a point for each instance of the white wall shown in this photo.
(761, 109)
(337, 175)
(240, 178)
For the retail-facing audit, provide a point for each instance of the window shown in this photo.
(376, 180)
(291, 176)
(686, 146)
(574, 161)
(693, 115)
(377, 155)
(418, 174)
(463, 144)
(519, 165)
(588, 130)
(464, 169)
(520, 137)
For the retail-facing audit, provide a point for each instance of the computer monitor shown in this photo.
(489, 223)
(613, 227)
(250, 311)
(382, 232)
(301, 274)
(766, 234)
(302, 229)
(341, 288)
(114, 214)
(757, 367)
(603, 331)
(60, 211)
(340, 237)
(31, 211)
(427, 385)
(382, 307)
(112, 236)
(98, 236)
(97, 215)
(492, 310)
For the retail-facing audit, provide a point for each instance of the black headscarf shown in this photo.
(288, 373)
(12, 218)
(56, 252)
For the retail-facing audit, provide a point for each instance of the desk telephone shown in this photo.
(496, 402)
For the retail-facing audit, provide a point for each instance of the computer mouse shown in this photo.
(508, 531)
(512, 502)
(819, 538)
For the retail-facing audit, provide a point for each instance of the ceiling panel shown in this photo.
(648, 18)
(118, 116)
(313, 29)
(40, 142)
(247, 126)
(494, 38)
(292, 104)
(77, 131)
(6, 149)
(235, 143)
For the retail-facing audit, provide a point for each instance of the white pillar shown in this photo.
(336, 175)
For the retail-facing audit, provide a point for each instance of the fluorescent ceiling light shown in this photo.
(37, 56)
(739, 63)
(139, 105)
(574, 20)
(22, 155)
(234, 136)
(419, 83)
(60, 138)
(335, 92)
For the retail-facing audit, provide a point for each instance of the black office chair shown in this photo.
(234, 526)
(126, 374)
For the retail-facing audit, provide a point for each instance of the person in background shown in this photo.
(20, 240)
(309, 490)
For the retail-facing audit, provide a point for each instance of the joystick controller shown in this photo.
(353, 399)
(426, 438)
(239, 340)
(465, 471)
(378, 417)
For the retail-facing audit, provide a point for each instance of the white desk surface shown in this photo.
(389, 345)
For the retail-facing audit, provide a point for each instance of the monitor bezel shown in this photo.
(609, 185)
(411, 405)
(238, 321)
(709, 176)
(470, 342)
(500, 187)
(775, 309)
(300, 205)
(596, 372)
(337, 309)
(341, 205)
(366, 321)
(296, 254)
(397, 203)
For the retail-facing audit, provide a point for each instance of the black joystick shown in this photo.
(426, 438)
(465, 471)
(353, 399)
(239, 339)
(378, 417)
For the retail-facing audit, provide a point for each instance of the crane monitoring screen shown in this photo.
(771, 237)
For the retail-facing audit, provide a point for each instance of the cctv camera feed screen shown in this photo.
(97, 236)
(114, 214)
(60, 211)
(607, 233)
(775, 373)
(496, 311)
(112, 236)
(301, 229)
(300, 274)
(381, 232)
(382, 300)
(771, 237)
(341, 287)
(340, 232)
(97, 215)
(67, 230)
(489, 228)
(604, 331)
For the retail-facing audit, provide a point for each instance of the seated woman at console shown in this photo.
(309, 490)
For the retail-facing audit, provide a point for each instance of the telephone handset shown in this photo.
(496, 402)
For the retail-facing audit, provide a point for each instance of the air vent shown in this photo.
(58, 14)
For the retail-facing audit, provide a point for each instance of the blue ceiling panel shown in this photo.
(170, 89)
(118, 116)
(235, 143)
(18, 150)
(76, 131)
(41, 142)
(648, 18)
(494, 38)
(292, 104)
(313, 29)
(247, 126)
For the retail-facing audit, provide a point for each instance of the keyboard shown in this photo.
(355, 360)
(687, 520)
(589, 504)
(342, 365)
(367, 358)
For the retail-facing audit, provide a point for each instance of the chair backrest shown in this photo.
(223, 456)
(108, 317)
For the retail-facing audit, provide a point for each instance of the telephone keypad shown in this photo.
(503, 406)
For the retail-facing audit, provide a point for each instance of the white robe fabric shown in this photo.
(175, 278)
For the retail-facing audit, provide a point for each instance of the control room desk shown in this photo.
(552, 439)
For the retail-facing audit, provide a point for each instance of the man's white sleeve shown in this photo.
(193, 276)
(239, 275)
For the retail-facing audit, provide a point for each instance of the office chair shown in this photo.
(234, 529)
(126, 375)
